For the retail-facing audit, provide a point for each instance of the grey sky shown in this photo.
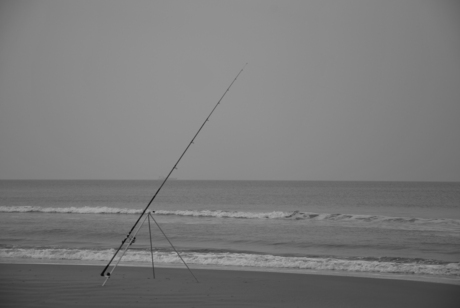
(334, 90)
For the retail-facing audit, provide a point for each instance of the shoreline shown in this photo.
(391, 276)
(64, 285)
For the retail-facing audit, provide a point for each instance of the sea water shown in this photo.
(371, 227)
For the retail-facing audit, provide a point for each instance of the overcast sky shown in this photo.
(333, 90)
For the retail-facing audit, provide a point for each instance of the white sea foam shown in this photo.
(296, 215)
(239, 259)
(68, 210)
(225, 214)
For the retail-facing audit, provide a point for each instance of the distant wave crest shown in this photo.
(225, 214)
(68, 210)
(296, 215)
(240, 259)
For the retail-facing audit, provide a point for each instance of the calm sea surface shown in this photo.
(380, 227)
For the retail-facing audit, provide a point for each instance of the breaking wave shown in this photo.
(296, 215)
(68, 210)
(242, 260)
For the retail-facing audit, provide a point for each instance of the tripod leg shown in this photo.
(131, 241)
(151, 248)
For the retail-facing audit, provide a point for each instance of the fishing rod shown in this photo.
(130, 238)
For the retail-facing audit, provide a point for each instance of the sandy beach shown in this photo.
(44, 285)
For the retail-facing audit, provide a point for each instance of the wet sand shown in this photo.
(42, 285)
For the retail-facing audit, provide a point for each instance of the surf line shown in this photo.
(131, 236)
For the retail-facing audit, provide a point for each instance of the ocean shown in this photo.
(409, 228)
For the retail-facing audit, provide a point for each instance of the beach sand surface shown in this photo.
(44, 285)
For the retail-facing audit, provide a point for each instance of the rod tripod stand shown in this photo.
(128, 241)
